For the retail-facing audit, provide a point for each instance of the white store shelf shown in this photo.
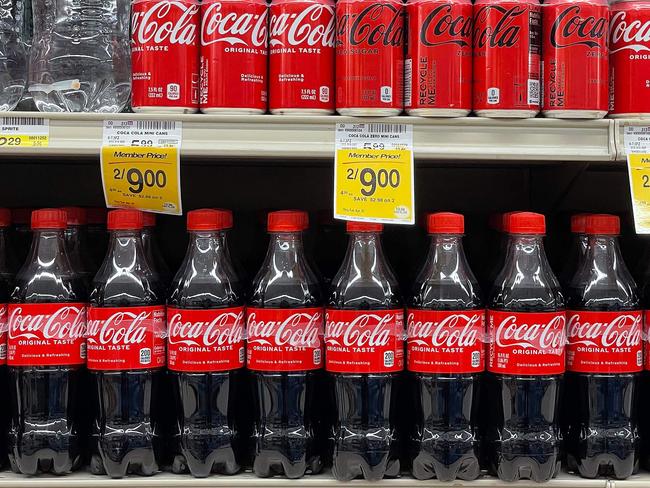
(267, 136)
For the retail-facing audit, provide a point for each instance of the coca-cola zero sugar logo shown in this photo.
(440, 27)
(314, 26)
(234, 28)
(571, 29)
(624, 35)
(171, 22)
(505, 33)
(368, 28)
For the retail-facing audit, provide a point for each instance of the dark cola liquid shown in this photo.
(129, 414)
(444, 439)
(366, 442)
(208, 434)
(288, 407)
(599, 410)
(520, 421)
(46, 419)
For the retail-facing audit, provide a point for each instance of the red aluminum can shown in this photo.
(301, 62)
(165, 56)
(507, 61)
(438, 66)
(576, 77)
(629, 59)
(234, 50)
(369, 57)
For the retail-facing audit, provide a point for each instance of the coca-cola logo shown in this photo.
(367, 26)
(296, 330)
(505, 32)
(622, 331)
(65, 323)
(165, 22)
(545, 335)
(122, 328)
(365, 330)
(225, 329)
(456, 330)
(233, 28)
(440, 27)
(634, 35)
(314, 26)
(569, 23)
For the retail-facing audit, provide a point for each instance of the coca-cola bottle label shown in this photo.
(364, 341)
(124, 338)
(46, 334)
(445, 341)
(604, 342)
(526, 343)
(282, 339)
(205, 340)
(646, 326)
(4, 328)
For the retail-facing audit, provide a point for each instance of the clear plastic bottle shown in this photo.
(13, 57)
(152, 249)
(6, 279)
(80, 58)
(75, 240)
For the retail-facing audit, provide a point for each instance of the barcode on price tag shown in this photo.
(24, 132)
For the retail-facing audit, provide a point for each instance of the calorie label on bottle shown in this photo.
(123, 338)
(604, 342)
(46, 334)
(205, 340)
(364, 341)
(526, 343)
(4, 328)
(281, 339)
(445, 341)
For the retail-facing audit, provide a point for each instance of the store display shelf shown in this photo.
(307, 137)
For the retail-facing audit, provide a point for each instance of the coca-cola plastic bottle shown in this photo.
(206, 348)
(6, 280)
(126, 354)
(46, 351)
(526, 324)
(576, 251)
(152, 250)
(365, 352)
(445, 353)
(604, 358)
(75, 240)
(643, 398)
(285, 328)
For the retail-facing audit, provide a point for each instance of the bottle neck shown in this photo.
(208, 254)
(285, 251)
(527, 251)
(446, 255)
(365, 254)
(603, 264)
(125, 251)
(48, 248)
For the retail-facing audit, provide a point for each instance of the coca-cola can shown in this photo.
(576, 77)
(234, 55)
(301, 61)
(438, 65)
(165, 56)
(629, 59)
(369, 57)
(507, 58)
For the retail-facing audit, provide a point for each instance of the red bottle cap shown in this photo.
(578, 223)
(505, 221)
(446, 223)
(526, 223)
(209, 219)
(148, 219)
(603, 224)
(96, 215)
(364, 227)
(287, 221)
(125, 219)
(21, 216)
(49, 218)
(76, 215)
(5, 217)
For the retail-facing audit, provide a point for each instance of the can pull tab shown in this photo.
(57, 86)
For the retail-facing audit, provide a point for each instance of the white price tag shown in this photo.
(143, 133)
(636, 140)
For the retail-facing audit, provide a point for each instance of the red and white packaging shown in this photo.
(284, 339)
(507, 58)
(46, 334)
(124, 338)
(629, 59)
(526, 343)
(370, 57)
(4, 328)
(604, 342)
(438, 66)
(205, 340)
(576, 59)
(165, 56)
(646, 340)
(234, 56)
(441, 341)
(364, 341)
(301, 60)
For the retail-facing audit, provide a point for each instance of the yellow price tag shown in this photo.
(639, 171)
(24, 140)
(143, 178)
(374, 184)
